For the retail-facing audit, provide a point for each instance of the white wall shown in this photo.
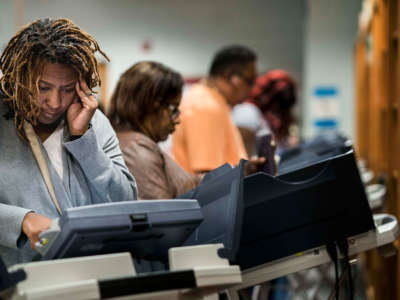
(313, 39)
(185, 33)
(330, 36)
(7, 23)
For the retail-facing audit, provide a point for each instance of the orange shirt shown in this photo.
(206, 136)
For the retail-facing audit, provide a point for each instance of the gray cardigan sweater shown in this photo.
(94, 172)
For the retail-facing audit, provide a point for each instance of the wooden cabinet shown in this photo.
(377, 71)
(104, 87)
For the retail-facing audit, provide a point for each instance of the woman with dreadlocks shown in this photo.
(57, 150)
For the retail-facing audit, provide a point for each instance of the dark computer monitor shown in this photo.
(220, 196)
(145, 228)
(317, 149)
(301, 210)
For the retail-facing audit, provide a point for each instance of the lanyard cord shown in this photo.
(40, 159)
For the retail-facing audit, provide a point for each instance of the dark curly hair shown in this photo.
(140, 91)
(45, 40)
(275, 94)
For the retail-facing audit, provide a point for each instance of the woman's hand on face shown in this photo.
(33, 224)
(81, 110)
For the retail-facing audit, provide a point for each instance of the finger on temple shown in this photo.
(78, 87)
(80, 92)
(83, 84)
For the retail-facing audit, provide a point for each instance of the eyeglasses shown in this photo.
(174, 111)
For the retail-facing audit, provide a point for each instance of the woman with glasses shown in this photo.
(144, 111)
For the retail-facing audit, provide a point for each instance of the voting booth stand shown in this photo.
(195, 273)
(387, 231)
(229, 233)
(287, 221)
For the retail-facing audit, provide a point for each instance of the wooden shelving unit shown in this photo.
(377, 69)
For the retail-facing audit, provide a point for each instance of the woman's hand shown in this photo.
(266, 163)
(81, 110)
(254, 164)
(33, 224)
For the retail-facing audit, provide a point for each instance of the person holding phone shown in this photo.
(57, 150)
(269, 111)
(144, 110)
(270, 105)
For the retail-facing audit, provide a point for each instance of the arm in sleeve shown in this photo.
(11, 218)
(146, 164)
(100, 158)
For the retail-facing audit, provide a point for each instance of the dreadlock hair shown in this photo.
(45, 40)
(231, 60)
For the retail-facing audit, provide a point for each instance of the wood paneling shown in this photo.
(378, 132)
(377, 89)
(103, 88)
(362, 98)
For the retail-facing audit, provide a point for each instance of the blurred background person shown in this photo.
(206, 136)
(144, 111)
(269, 108)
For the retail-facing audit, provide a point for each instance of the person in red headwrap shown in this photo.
(269, 108)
